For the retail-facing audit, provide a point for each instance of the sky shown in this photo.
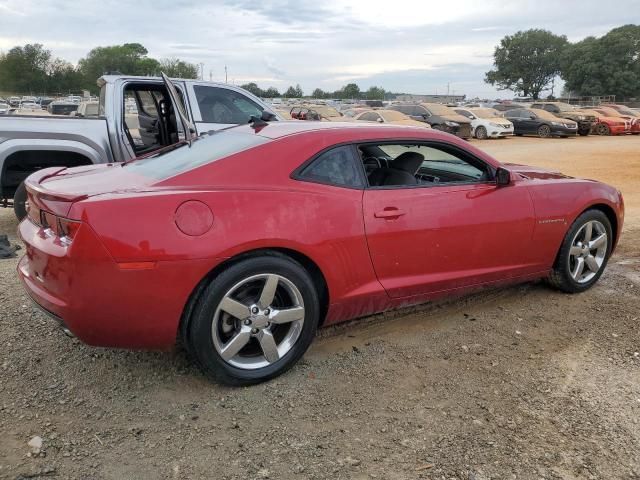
(413, 46)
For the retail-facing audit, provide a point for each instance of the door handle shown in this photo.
(389, 213)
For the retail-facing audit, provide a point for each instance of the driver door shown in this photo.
(442, 234)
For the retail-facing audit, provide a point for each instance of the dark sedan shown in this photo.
(532, 121)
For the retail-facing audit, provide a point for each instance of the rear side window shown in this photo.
(181, 157)
(221, 105)
(334, 167)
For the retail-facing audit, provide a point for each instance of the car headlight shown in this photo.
(557, 124)
(495, 125)
(451, 124)
(581, 117)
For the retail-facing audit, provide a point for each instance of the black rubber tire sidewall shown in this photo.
(560, 276)
(483, 136)
(20, 202)
(540, 130)
(199, 330)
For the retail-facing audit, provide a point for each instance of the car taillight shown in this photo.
(67, 229)
(50, 221)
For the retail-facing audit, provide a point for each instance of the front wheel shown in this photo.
(20, 201)
(603, 129)
(481, 133)
(254, 321)
(544, 131)
(584, 253)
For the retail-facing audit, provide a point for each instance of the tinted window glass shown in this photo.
(336, 167)
(182, 158)
(220, 105)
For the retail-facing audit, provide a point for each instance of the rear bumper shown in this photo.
(83, 288)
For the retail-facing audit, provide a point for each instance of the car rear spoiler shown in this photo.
(33, 183)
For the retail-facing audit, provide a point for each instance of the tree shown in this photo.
(609, 65)
(127, 59)
(351, 91)
(294, 92)
(527, 62)
(253, 88)
(375, 93)
(176, 68)
(271, 92)
(318, 93)
(24, 69)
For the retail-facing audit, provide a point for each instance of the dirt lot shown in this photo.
(523, 383)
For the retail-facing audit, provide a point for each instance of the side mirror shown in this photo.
(532, 116)
(267, 116)
(503, 177)
(379, 120)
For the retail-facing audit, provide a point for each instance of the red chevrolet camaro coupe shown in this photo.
(243, 242)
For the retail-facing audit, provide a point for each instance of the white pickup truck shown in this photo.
(136, 116)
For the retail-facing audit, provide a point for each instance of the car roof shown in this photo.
(280, 129)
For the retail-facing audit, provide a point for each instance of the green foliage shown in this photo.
(350, 91)
(24, 69)
(609, 65)
(527, 62)
(294, 92)
(127, 59)
(318, 93)
(271, 92)
(375, 93)
(176, 68)
(253, 88)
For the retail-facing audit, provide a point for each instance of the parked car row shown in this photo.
(543, 119)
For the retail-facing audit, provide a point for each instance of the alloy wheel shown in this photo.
(588, 251)
(544, 131)
(258, 321)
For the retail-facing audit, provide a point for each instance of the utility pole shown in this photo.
(226, 80)
(201, 71)
(211, 75)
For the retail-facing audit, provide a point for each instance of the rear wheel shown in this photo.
(20, 201)
(481, 133)
(584, 253)
(603, 129)
(544, 131)
(254, 321)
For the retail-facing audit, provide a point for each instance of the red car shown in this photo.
(632, 124)
(243, 242)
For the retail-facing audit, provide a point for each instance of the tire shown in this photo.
(20, 202)
(518, 134)
(603, 129)
(584, 132)
(563, 276)
(481, 133)
(544, 131)
(213, 330)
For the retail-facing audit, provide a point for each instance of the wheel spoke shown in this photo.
(233, 346)
(598, 242)
(577, 272)
(588, 229)
(287, 315)
(268, 291)
(268, 345)
(575, 251)
(235, 308)
(592, 263)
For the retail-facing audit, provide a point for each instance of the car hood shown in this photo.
(534, 173)
(410, 123)
(454, 118)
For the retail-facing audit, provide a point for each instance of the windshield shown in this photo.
(438, 109)
(628, 111)
(609, 112)
(326, 111)
(485, 112)
(181, 157)
(565, 107)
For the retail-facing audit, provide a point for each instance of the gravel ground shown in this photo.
(523, 382)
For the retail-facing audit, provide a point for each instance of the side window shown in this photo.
(221, 105)
(551, 108)
(335, 167)
(369, 117)
(465, 113)
(420, 110)
(423, 165)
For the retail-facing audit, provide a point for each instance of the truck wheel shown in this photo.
(20, 201)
